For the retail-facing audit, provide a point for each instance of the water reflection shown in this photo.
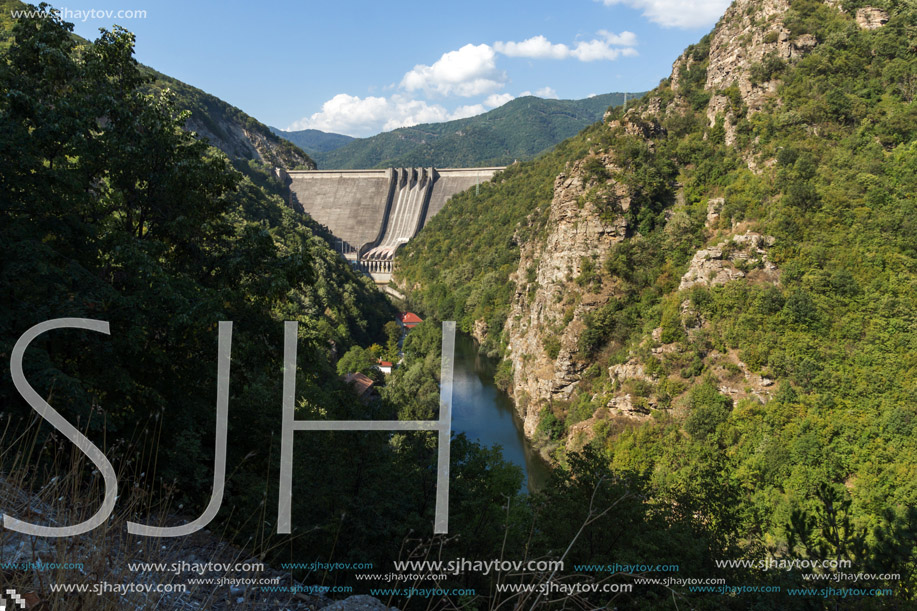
(487, 415)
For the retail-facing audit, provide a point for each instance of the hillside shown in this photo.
(520, 129)
(229, 129)
(221, 124)
(314, 141)
(716, 289)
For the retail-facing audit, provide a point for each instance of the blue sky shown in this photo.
(363, 67)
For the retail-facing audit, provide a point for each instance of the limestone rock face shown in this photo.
(549, 304)
(479, 331)
(751, 32)
(739, 256)
(237, 141)
(871, 18)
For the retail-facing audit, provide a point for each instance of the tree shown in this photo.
(393, 335)
(357, 360)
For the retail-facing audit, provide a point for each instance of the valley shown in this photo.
(685, 325)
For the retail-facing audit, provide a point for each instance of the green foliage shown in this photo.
(836, 333)
(549, 425)
(111, 211)
(357, 360)
(551, 345)
(708, 410)
(392, 337)
(767, 69)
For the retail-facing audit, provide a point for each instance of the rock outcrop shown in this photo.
(546, 318)
(871, 18)
(740, 255)
(750, 34)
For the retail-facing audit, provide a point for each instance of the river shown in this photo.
(485, 414)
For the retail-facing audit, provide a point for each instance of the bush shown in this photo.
(709, 409)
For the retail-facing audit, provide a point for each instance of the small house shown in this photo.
(409, 320)
(384, 366)
(362, 384)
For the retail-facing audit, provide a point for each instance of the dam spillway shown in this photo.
(371, 213)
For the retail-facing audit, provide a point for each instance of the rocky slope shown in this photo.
(551, 296)
(753, 44)
(232, 131)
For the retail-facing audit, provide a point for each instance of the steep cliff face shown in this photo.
(731, 75)
(554, 290)
(751, 45)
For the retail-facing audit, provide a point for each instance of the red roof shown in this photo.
(410, 318)
(362, 384)
(384, 363)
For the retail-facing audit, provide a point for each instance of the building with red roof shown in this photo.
(409, 320)
(384, 366)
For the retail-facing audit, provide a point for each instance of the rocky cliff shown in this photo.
(731, 75)
(554, 287)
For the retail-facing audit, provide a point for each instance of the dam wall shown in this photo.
(373, 212)
(351, 203)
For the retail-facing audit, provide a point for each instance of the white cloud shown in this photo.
(609, 46)
(355, 116)
(467, 72)
(536, 47)
(678, 13)
(624, 39)
(470, 110)
(498, 99)
(599, 49)
(547, 92)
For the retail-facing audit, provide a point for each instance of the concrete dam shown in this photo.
(373, 212)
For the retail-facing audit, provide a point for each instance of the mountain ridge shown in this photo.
(520, 129)
(314, 141)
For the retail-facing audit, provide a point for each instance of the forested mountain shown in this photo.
(716, 288)
(520, 129)
(705, 305)
(314, 141)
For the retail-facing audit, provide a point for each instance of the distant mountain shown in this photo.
(314, 141)
(518, 130)
(226, 127)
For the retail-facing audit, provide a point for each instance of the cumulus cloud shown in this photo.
(466, 72)
(677, 13)
(547, 92)
(356, 116)
(608, 46)
(498, 99)
(536, 47)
